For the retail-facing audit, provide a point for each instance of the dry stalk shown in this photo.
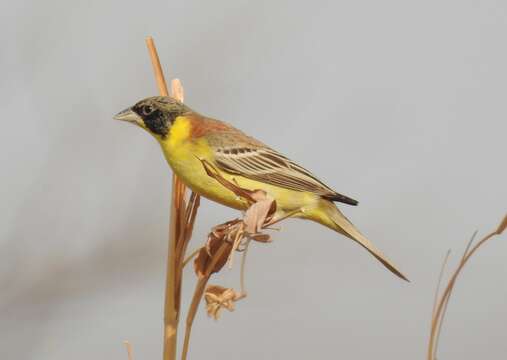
(440, 305)
(129, 350)
(181, 223)
(198, 293)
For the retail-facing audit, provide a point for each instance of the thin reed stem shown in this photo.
(172, 300)
(130, 352)
(440, 310)
(191, 256)
(439, 313)
(440, 277)
(196, 299)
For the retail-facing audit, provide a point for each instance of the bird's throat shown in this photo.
(179, 133)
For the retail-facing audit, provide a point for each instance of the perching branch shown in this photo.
(181, 223)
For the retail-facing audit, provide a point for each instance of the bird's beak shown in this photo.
(128, 115)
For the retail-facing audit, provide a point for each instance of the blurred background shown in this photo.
(398, 104)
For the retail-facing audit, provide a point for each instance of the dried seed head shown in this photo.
(216, 238)
(218, 297)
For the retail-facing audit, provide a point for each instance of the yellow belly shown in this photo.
(184, 158)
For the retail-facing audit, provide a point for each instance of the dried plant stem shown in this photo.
(129, 350)
(171, 313)
(186, 228)
(242, 271)
(198, 293)
(440, 277)
(180, 229)
(446, 301)
(440, 309)
(192, 311)
(157, 68)
(191, 256)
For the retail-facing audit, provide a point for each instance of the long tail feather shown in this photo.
(342, 225)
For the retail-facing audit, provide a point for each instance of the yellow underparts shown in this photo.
(184, 155)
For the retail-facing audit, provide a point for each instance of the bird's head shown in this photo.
(154, 114)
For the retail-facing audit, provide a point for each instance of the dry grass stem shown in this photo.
(157, 68)
(170, 307)
(446, 301)
(441, 305)
(242, 272)
(129, 350)
(181, 223)
(440, 277)
(198, 293)
(191, 256)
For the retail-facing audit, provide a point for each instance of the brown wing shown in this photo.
(237, 153)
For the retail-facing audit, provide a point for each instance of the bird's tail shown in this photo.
(328, 214)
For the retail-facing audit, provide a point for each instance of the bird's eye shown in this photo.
(147, 109)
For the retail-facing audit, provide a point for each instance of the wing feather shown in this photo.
(268, 166)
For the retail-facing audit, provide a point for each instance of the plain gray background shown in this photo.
(400, 104)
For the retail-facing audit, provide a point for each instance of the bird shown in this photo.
(188, 138)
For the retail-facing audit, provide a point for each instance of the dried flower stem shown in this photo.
(129, 350)
(170, 310)
(181, 223)
(157, 68)
(440, 310)
(440, 277)
(198, 293)
(242, 272)
(446, 303)
(191, 256)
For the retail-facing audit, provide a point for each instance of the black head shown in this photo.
(155, 114)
